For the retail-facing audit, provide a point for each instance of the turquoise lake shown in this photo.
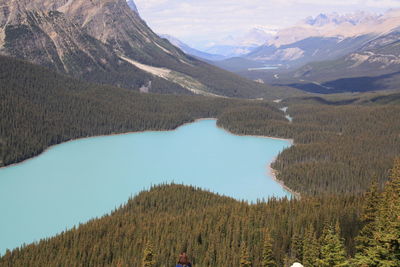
(76, 181)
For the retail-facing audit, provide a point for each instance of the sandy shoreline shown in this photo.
(272, 172)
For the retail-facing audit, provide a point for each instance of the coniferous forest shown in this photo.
(343, 165)
(219, 231)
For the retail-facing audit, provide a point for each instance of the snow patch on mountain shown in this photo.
(132, 6)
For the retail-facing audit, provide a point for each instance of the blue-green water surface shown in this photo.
(79, 180)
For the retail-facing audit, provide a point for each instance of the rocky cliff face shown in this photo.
(38, 32)
(104, 41)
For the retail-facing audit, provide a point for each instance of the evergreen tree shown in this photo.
(148, 256)
(385, 247)
(365, 239)
(244, 256)
(267, 257)
(296, 248)
(310, 247)
(332, 253)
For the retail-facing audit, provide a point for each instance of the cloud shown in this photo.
(197, 21)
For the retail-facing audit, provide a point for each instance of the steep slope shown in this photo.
(90, 39)
(376, 66)
(326, 37)
(307, 50)
(51, 39)
(191, 51)
(132, 6)
(41, 108)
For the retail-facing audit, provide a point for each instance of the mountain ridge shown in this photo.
(87, 39)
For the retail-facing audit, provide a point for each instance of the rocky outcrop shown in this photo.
(89, 38)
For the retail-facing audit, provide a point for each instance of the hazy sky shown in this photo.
(198, 22)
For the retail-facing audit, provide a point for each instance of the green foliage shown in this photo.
(338, 149)
(267, 256)
(332, 252)
(368, 217)
(310, 247)
(245, 260)
(41, 108)
(148, 256)
(383, 249)
(211, 227)
(296, 248)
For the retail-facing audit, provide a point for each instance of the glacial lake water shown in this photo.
(76, 181)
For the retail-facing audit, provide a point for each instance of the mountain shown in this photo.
(375, 66)
(191, 51)
(327, 36)
(106, 42)
(240, 45)
(307, 50)
(355, 18)
(132, 5)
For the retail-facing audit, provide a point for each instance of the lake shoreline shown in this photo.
(274, 176)
(272, 172)
(100, 136)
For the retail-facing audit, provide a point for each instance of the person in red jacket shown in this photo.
(184, 260)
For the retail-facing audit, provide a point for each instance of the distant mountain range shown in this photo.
(239, 46)
(329, 54)
(191, 51)
(106, 42)
(324, 37)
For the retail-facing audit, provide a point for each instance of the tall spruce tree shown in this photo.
(148, 256)
(267, 257)
(310, 247)
(296, 248)
(385, 247)
(365, 239)
(332, 253)
(245, 260)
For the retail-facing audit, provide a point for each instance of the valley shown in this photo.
(196, 154)
(106, 158)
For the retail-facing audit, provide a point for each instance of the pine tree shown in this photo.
(310, 247)
(332, 253)
(148, 256)
(365, 239)
(385, 248)
(267, 257)
(296, 248)
(244, 256)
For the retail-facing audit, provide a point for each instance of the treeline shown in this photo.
(40, 108)
(219, 231)
(174, 218)
(339, 149)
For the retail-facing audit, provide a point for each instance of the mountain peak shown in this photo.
(355, 18)
(132, 6)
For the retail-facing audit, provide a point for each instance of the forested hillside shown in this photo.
(175, 218)
(41, 108)
(219, 231)
(339, 148)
